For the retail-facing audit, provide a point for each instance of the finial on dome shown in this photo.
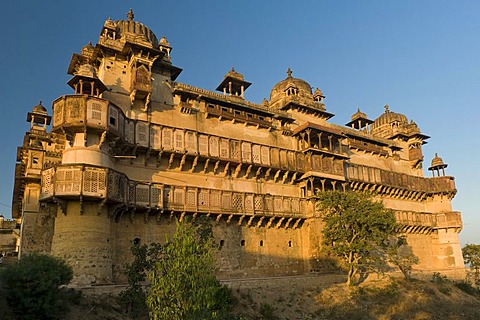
(289, 73)
(387, 110)
(130, 15)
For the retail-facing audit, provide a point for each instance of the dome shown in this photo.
(129, 26)
(303, 87)
(39, 109)
(164, 42)
(437, 162)
(234, 74)
(388, 118)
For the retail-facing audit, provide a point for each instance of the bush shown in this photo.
(34, 287)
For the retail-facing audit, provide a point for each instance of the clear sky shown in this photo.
(420, 57)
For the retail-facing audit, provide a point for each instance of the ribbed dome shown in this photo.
(437, 162)
(123, 27)
(389, 117)
(304, 88)
(39, 109)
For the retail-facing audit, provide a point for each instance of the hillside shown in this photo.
(322, 297)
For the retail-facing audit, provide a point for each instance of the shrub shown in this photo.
(34, 287)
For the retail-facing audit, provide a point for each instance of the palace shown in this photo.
(131, 150)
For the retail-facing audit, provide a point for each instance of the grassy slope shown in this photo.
(321, 297)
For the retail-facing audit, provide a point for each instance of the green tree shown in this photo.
(471, 256)
(356, 229)
(34, 286)
(183, 283)
(133, 297)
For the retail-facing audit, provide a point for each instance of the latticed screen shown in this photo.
(142, 134)
(234, 150)
(295, 205)
(249, 202)
(191, 141)
(67, 181)
(178, 198)
(278, 204)
(291, 160)
(269, 203)
(58, 113)
(203, 198)
(156, 195)
(259, 203)
(75, 108)
(256, 157)
(214, 146)
(131, 193)
(215, 199)
(191, 198)
(142, 195)
(203, 144)
(246, 152)
(265, 154)
(96, 112)
(94, 182)
(224, 148)
(286, 204)
(47, 182)
(275, 157)
(226, 201)
(283, 159)
(179, 145)
(237, 202)
(129, 131)
(116, 186)
(155, 137)
(167, 138)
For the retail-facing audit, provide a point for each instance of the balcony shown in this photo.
(70, 182)
(75, 112)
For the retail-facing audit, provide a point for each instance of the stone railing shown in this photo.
(400, 180)
(73, 181)
(221, 97)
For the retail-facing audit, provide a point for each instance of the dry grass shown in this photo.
(324, 297)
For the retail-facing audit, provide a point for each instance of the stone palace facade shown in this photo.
(131, 150)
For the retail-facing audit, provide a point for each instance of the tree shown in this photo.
(144, 259)
(183, 283)
(356, 229)
(471, 256)
(34, 286)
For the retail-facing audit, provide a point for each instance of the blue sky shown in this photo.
(420, 57)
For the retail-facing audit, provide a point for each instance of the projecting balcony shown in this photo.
(76, 112)
(392, 179)
(75, 182)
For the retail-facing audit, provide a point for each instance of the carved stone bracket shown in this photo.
(62, 204)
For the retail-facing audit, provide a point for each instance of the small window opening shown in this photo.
(113, 121)
(136, 241)
(261, 243)
(222, 243)
(242, 243)
(289, 244)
